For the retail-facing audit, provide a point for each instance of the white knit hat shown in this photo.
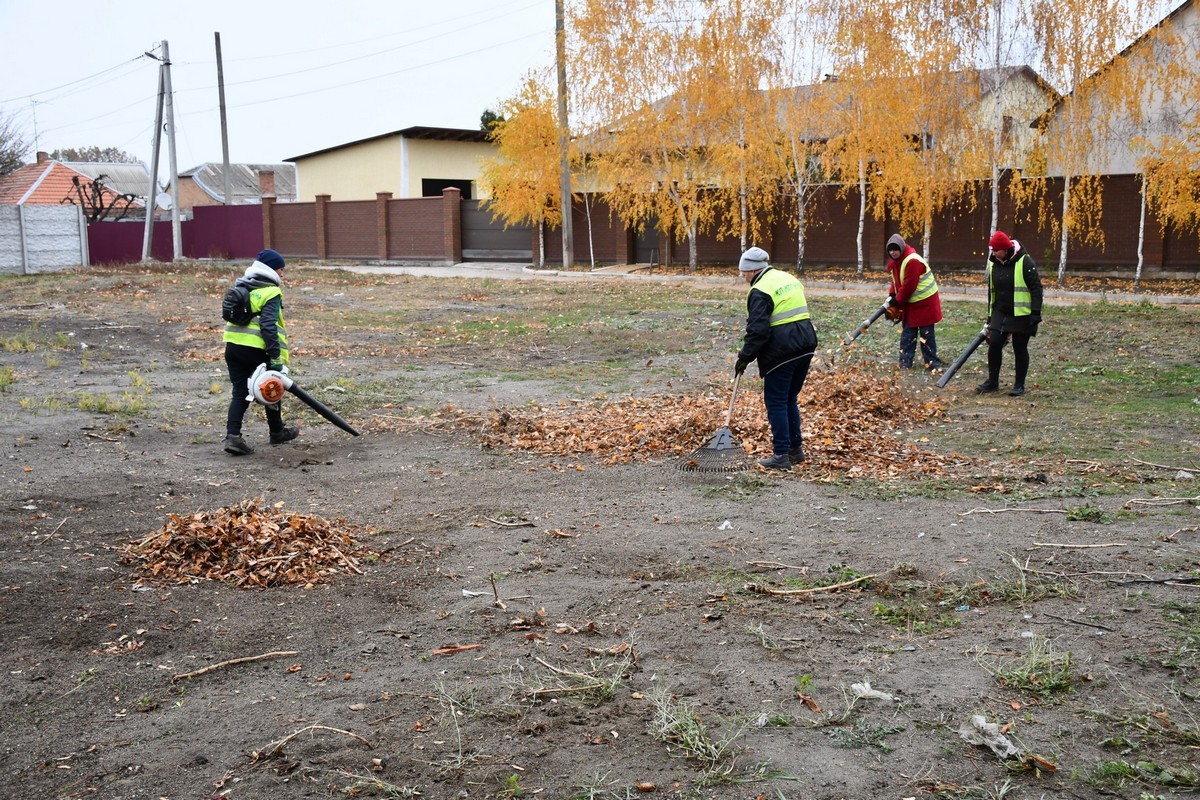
(753, 260)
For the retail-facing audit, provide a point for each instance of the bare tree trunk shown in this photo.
(801, 225)
(587, 208)
(541, 244)
(801, 184)
(1062, 247)
(1137, 274)
(693, 257)
(862, 211)
(927, 238)
(997, 123)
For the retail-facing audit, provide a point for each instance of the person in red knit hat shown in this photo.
(914, 302)
(1014, 309)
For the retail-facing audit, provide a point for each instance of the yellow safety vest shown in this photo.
(250, 334)
(1022, 299)
(926, 285)
(787, 292)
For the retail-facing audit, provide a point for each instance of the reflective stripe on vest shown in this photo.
(1022, 299)
(251, 335)
(926, 285)
(786, 292)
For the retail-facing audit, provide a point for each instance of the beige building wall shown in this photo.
(1119, 146)
(427, 158)
(1022, 100)
(356, 172)
(393, 164)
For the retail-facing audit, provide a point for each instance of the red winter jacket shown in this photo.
(923, 312)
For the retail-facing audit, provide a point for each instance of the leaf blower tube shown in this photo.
(962, 359)
(868, 322)
(267, 387)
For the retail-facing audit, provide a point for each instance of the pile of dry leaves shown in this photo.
(248, 546)
(849, 417)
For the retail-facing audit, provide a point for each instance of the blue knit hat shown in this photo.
(271, 259)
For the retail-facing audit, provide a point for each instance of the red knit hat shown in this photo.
(1000, 241)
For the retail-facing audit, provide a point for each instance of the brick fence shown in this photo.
(430, 229)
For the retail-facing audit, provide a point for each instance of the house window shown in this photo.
(432, 187)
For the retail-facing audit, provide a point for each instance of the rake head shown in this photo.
(721, 454)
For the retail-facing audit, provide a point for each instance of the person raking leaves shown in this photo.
(781, 338)
(261, 340)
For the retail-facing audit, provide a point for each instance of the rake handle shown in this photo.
(737, 378)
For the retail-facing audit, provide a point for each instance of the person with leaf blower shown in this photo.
(1014, 310)
(914, 302)
(781, 338)
(262, 340)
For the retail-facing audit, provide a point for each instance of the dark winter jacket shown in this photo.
(1002, 284)
(773, 345)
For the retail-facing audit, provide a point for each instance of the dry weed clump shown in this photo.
(248, 546)
(849, 420)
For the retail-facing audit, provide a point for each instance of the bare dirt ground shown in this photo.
(522, 626)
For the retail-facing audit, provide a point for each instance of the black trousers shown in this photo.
(995, 356)
(242, 361)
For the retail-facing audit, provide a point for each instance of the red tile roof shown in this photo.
(48, 183)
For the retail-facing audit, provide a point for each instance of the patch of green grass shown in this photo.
(46, 402)
(677, 724)
(738, 487)
(1118, 774)
(1040, 671)
(1089, 513)
(7, 378)
(18, 343)
(913, 616)
(932, 488)
(863, 734)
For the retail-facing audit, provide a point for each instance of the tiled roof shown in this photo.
(45, 184)
(243, 181)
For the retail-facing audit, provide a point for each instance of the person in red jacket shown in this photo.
(914, 302)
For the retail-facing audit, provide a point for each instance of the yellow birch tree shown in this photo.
(803, 108)
(647, 88)
(523, 178)
(1168, 142)
(1080, 44)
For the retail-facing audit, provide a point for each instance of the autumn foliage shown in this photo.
(248, 546)
(851, 419)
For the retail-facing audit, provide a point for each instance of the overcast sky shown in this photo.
(299, 75)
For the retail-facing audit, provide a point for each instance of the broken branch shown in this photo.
(232, 661)
(276, 748)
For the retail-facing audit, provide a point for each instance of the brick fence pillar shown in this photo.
(322, 226)
(268, 205)
(624, 243)
(452, 224)
(381, 223)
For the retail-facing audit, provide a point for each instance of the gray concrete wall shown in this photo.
(41, 239)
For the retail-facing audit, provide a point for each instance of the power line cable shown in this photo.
(33, 95)
(355, 58)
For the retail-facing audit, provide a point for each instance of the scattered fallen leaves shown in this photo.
(246, 545)
(849, 420)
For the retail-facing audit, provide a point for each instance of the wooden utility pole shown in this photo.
(152, 195)
(564, 138)
(228, 198)
(169, 94)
